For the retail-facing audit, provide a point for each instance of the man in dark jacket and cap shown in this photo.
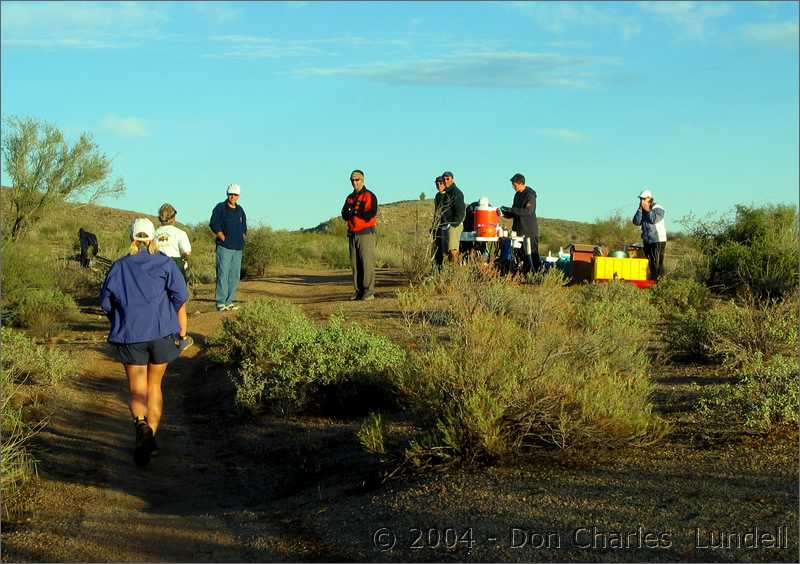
(523, 213)
(452, 215)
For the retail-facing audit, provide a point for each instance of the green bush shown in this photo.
(757, 251)
(31, 294)
(371, 434)
(680, 295)
(615, 231)
(516, 366)
(689, 334)
(24, 360)
(766, 394)
(17, 466)
(259, 252)
(753, 332)
(23, 364)
(44, 311)
(23, 269)
(281, 358)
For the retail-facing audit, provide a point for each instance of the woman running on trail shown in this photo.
(144, 297)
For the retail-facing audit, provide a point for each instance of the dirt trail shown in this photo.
(301, 489)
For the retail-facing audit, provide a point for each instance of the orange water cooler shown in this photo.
(486, 221)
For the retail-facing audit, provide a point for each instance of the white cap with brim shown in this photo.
(646, 194)
(142, 229)
(234, 189)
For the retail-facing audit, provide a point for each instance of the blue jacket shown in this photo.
(232, 222)
(654, 228)
(141, 296)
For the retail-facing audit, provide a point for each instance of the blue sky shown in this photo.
(593, 102)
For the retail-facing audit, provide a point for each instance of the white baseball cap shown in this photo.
(646, 194)
(142, 229)
(234, 189)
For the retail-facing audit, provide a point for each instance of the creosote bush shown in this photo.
(509, 367)
(24, 364)
(31, 295)
(757, 251)
(281, 358)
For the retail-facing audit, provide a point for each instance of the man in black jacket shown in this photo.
(453, 213)
(523, 212)
(87, 241)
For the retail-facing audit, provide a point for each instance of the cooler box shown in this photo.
(608, 268)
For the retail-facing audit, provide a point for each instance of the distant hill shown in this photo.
(396, 220)
(405, 217)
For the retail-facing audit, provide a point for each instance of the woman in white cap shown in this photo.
(650, 216)
(144, 296)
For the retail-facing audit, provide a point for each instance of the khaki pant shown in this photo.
(454, 237)
(362, 259)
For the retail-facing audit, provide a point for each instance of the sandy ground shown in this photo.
(301, 489)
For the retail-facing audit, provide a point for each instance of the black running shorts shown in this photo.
(157, 351)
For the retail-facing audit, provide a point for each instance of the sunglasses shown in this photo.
(355, 179)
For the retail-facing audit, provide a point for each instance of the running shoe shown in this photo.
(184, 343)
(144, 439)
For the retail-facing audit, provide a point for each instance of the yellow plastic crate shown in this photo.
(608, 268)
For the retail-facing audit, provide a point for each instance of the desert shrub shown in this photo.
(371, 434)
(24, 268)
(759, 342)
(735, 333)
(766, 394)
(202, 268)
(24, 360)
(549, 278)
(23, 363)
(688, 334)
(679, 295)
(756, 251)
(614, 231)
(753, 332)
(281, 358)
(17, 466)
(44, 311)
(259, 252)
(518, 366)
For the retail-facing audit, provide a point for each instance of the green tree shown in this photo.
(45, 170)
(422, 196)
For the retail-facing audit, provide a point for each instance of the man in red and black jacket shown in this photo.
(359, 211)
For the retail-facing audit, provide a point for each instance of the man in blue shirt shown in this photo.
(229, 224)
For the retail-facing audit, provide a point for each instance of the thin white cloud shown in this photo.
(561, 17)
(568, 135)
(487, 69)
(781, 34)
(126, 126)
(253, 47)
(690, 19)
(261, 47)
(216, 12)
(62, 43)
(87, 25)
